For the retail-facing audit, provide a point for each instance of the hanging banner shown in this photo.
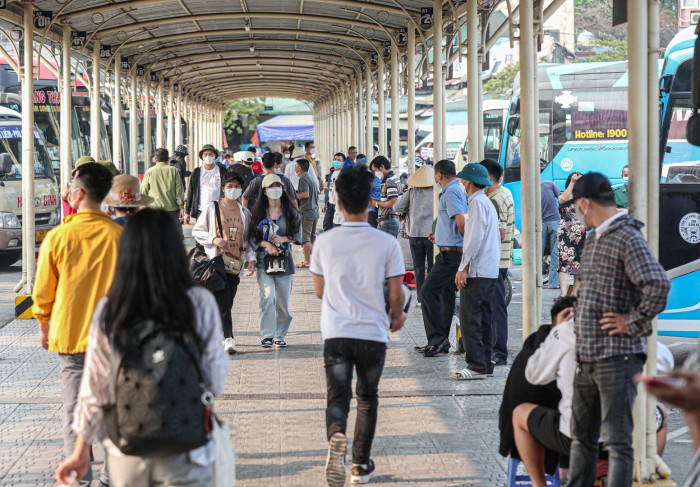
(426, 18)
(387, 49)
(42, 18)
(78, 38)
(402, 37)
(140, 70)
(105, 51)
(125, 63)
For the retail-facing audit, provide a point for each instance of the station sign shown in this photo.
(154, 77)
(363, 67)
(387, 49)
(125, 63)
(176, 87)
(166, 82)
(402, 37)
(78, 38)
(42, 18)
(105, 51)
(426, 18)
(374, 59)
(140, 71)
(3, 4)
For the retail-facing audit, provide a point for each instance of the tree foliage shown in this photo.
(617, 50)
(501, 85)
(242, 115)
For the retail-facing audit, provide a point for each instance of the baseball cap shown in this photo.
(244, 156)
(593, 185)
(271, 179)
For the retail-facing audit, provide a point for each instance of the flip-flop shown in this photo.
(302, 265)
(466, 374)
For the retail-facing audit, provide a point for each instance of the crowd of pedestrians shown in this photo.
(106, 297)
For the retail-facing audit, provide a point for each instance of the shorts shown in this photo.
(543, 424)
(308, 229)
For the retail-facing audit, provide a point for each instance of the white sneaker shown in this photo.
(230, 345)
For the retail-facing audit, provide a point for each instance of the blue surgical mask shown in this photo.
(626, 181)
(337, 164)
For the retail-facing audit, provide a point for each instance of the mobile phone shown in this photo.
(655, 381)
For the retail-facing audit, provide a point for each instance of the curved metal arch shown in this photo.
(255, 78)
(142, 3)
(234, 91)
(290, 32)
(227, 73)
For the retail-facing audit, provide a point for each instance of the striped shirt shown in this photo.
(391, 188)
(502, 199)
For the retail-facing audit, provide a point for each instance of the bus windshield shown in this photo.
(11, 143)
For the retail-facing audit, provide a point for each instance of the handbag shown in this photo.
(225, 461)
(210, 273)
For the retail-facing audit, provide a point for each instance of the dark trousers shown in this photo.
(340, 356)
(437, 297)
(421, 249)
(224, 299)
(475, 321)
(497, 298)
(604, 395)
(176, 215)
(328, 217)
(372, 218)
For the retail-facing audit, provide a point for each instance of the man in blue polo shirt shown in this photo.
(438, 291)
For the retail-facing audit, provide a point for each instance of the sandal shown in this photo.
(466, 374)
(302, 265)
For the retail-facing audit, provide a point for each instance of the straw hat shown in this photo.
(126, 193)
(424, 177)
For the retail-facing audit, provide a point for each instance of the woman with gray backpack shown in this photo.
(153, 367)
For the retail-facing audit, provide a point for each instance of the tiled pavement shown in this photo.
(431, 431)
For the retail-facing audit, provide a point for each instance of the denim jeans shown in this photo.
(604, 395)
(475, 321)
(499, 322)
(438, 295)
(421, 249)
(549, 234)
(328, 217)
(340, 356)
(275, 291)
(224, 299)
(390, 226)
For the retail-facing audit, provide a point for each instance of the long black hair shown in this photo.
(259, 211)
(151, 278)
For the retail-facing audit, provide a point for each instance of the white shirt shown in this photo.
(291, 174)
(209, 187)
(555, 359)
(355, 260)
(204, 232)
(482, 239)
(600, 229)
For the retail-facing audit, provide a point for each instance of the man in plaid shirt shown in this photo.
(623, 287)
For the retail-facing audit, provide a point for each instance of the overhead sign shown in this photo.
(3, 4)
(78, 38)
(105, 51)
(387, 49)
(125, 63)
(374, 59)
(166, 82)
(42, 18)
(402, 37)
(363, 67)
(176, 87)
(140, 70)
(426, 18)
(154, 77)
(269, 108)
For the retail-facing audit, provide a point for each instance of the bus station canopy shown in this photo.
(286, 127)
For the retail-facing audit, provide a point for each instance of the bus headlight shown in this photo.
(9, 220)
(55, 217)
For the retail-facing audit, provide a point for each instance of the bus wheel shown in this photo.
(509, 289)
(9, 258)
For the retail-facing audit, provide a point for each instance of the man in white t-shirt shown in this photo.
(354, 321)
(205, 183)
(289, 172)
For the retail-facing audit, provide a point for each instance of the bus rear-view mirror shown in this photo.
(5, 163)
(513, 126)
(692, 130)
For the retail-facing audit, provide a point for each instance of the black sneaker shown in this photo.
(280, 343)
(335, 463)
(266, 343)
(362, 474)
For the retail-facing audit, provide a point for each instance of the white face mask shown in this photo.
(286, 156)
(379, 175)
(209, 160)
(233, 193)
(581, 215)
(312, 151)
(274, 193)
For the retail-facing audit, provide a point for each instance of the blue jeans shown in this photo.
(275, 291)
(340, 357)
(549, 234)
(604, 395)
(390, 226)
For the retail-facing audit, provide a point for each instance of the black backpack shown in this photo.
(158, 403)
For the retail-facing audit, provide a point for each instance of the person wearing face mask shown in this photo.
(571, 236)
(286, 158)
(309, 153)
(375, 195)
(205, 183)
(290, 173)
(308, 206)
(243, 167)
(232, 242)
(331, 197)
(276, 224)
(623, 288)
(387, 218)
(254, 190)
(438, 292)
(620, 191)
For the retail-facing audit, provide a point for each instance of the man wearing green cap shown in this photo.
(205, 183)
(477, 273)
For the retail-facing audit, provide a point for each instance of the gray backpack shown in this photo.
(158, 403)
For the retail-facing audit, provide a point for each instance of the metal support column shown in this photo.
(473, 82)
(95, 109)
(117, 116)
(66, 153)
(530, 164)
(147, 129)
(178, 118)
(411, 111)
(438, 86)
(352, 105)
(395, 107)
(28, 235)
(160, 139)
(369, 122)
(381, 101)
(171, 125)
(133, 130)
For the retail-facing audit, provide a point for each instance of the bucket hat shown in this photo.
(208, 147)
(110, 165)
(83, 160)
(182, 149)
(424, 177)
(126, 193)
(476, 173)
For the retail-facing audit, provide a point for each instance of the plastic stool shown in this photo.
(410, 279)
(515, 480)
